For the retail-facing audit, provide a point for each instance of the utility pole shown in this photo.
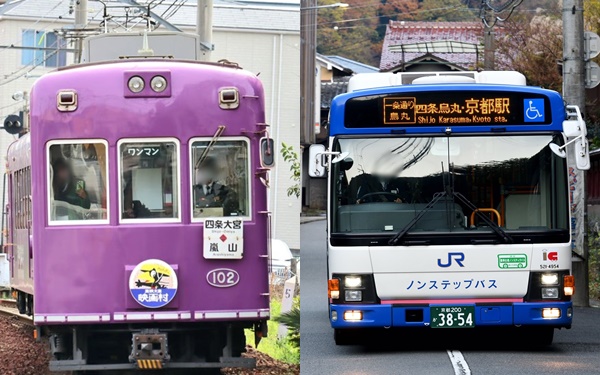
(574, 94)
(489, 48)
(308, 43)
(81, 11)
(204, 28)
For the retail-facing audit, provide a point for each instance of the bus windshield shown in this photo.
(384, 183)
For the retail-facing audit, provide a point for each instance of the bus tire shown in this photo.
(344, 336)
(538, 336)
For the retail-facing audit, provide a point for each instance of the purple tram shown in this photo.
(138, 223)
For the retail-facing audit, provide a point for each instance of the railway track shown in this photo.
(9, 307)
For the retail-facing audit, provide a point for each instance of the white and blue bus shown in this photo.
(448, 203)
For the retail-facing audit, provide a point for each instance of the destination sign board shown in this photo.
(450, 108)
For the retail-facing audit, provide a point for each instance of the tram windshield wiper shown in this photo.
(216, 136)
(436, 198)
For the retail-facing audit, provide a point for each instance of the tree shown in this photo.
(445, 11)
(591, 15)
(291, 156)
(532, 46)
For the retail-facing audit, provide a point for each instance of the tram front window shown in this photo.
(149, 180)
(77, 177)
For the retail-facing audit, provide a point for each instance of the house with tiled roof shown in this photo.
(429, 46)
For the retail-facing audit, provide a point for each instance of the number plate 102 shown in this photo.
(452, 317)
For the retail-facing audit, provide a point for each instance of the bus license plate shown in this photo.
(452, 316)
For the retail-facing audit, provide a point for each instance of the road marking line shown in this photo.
(459, 363)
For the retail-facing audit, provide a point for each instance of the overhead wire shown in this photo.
(43, 18)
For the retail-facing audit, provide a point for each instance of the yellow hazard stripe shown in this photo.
(149, 364)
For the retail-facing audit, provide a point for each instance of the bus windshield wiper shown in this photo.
(407, 227)
(436, 198)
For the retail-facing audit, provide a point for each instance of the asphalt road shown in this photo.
(575, 351)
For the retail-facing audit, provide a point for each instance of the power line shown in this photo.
(42, 19)
(48, 56)
(391, 15)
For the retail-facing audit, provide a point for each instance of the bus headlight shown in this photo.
(550, 313)
(136, 84)
(353, 295)
(352, 281)
(549, 279)
(353, 315)
(549, 292)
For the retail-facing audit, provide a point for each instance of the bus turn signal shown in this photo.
(333, 288)
(569, 285)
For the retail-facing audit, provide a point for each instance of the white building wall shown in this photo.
(276, 56)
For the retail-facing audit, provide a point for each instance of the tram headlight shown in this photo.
(352, 281)
(136, 84)
(549, 279)
(158, 84)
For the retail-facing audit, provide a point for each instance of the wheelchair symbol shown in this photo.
(532, 112)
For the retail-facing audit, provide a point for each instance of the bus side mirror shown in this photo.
(316, 160)
(575, 127)
(267, 152)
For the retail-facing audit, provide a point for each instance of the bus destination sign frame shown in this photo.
(451, 108)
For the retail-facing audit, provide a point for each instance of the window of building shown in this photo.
(77, 182)
(220, 178)
(53, 57)
(149, 179)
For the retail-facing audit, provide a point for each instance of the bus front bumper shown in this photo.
(514, 314)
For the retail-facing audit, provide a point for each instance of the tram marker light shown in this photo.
(66, 100)
(334, 288)
(229, 98)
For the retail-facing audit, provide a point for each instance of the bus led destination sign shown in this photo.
(463, 108)
(406, 110)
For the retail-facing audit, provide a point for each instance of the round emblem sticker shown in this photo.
(153, 283)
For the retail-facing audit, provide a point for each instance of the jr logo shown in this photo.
(458, 258)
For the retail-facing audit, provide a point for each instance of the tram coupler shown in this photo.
(149, 349)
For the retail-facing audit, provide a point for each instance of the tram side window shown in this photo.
(149, 180)
(78, 181)
(220, 178)
(21, 198)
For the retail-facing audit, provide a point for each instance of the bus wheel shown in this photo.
(539, 336)
(344, 336)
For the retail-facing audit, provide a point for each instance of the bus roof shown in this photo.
(433, 108)
(373, 80)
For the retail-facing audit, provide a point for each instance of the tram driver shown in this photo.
(212, 198)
